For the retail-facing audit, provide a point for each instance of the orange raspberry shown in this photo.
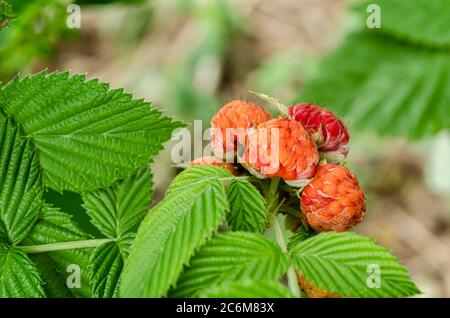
(238, 114)
(293, 156)
(213, 161)
(334, 200)
(312, 291)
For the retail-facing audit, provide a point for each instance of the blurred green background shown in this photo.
(391, 86)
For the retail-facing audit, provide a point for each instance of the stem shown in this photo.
(32, 249)
(273, 207)
(236, 178)
(291, 211)
(272, 196)
(279, 234)
(291, 276)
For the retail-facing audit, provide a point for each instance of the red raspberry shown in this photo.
(331, 133)
(334, 200)
(213, 161)
(292, 156)
(312, 291)
(236, 114)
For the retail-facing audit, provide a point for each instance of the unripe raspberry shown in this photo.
(238, 114)
(312, 291)
(334, 200)
(213, 161)
(281, 148)
(332, 136)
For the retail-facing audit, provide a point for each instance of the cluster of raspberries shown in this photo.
(310, 145)
(311, 142)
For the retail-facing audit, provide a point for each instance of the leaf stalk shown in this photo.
(43, 248)
(273, 207)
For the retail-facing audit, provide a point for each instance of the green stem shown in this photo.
(291, 276)
(273, 207)
(32, 249)
(272, 195)
(237, 178)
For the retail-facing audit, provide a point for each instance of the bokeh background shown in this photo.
(391, 86)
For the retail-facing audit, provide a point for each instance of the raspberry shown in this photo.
(213, 161)
(293, 156)
(312, 291)
(331, 133)
(334, 200)
(236, 114)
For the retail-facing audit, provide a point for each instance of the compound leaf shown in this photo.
(86, 134)
(351, 265)
(231, 256)
(191, 211)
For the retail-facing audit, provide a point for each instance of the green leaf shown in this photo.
(118, 209)
(247, 288)
(192, 210)
(20, 183)
(232, 256)
(54, 227)
(54, 282)
(344, 262)
(301, 234)
(87, 135)
(3, 232)
(403, 92)
(247, 207)
(106, 266)
(196, 177)
(18, 275)
(425, 22)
